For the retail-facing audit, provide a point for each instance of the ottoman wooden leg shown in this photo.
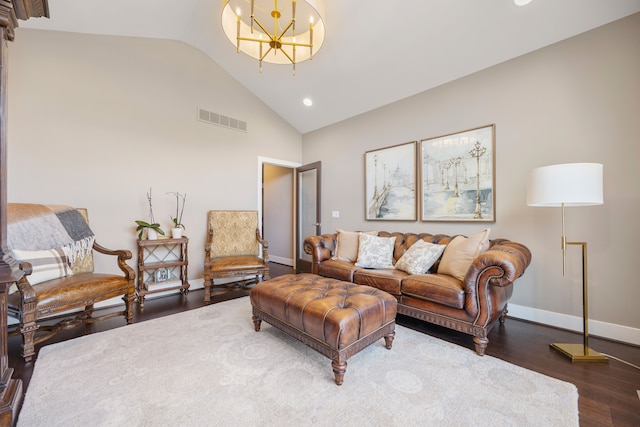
(256, 323)
(339, 368)
(388, 340)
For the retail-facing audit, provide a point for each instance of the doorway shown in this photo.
(278, 212)
(288, 191)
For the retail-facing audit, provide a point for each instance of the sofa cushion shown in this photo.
(52, 294)
(419, 257)
(460, 253)
(375, 252)
(46, 264)
(347, 243)
(388, 280)
(438, 288)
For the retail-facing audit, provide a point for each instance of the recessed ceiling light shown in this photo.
(521, 2)
(307, 102)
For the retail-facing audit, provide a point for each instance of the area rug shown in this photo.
(208, 367)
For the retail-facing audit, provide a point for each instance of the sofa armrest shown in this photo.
(25, 288)
(321, 248)
(511, 258)
(264, 245)
(488, 282)
(122, 254)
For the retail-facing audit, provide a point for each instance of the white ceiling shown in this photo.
(376, 51)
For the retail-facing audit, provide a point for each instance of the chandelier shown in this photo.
(262, 30)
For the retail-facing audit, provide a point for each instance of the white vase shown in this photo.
(176, 233)
(152, 234)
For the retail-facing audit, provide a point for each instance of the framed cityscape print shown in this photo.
(457, 176)
(390, 183)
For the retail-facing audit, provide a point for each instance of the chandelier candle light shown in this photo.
(571, 184)
(282, 45)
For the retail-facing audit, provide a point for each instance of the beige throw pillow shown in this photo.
(375, 252)
(420, 257)
(460, 253)
(347, 243)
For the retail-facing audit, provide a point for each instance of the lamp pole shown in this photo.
(447, 165)
(477, 152)
(375, 172)
(456, 162)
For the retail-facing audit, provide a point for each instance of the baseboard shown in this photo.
(573, 323)
(281, 260)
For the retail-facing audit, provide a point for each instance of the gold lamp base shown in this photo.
(577, 353)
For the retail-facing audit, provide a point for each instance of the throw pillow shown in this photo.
(47, 265)
(419, 258)
(375, 252)
(460, 253)
(347, 243)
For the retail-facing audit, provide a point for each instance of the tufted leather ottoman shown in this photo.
(335, 318)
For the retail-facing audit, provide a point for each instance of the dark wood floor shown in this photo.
(608, 391)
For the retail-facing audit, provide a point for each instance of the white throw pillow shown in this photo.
(47, 265)
(460, 253)
(419, 258)
(347, 245)
(375, 252)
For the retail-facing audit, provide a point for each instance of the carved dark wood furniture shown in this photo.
(169, 255)
(337, 319)
(78, 292)
(234, 251)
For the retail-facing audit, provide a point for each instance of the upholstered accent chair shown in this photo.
(68, 290)
(234, 252)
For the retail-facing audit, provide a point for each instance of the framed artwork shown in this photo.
(390, 183)
(457, 175)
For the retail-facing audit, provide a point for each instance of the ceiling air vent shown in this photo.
(221, 120)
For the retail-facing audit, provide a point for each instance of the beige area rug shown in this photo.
(208, 367)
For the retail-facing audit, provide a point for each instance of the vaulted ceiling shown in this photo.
(376, 51)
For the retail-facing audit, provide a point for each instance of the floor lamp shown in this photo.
(570, 184)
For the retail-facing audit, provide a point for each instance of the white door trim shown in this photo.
(276, 162)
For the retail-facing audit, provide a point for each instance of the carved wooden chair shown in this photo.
(234, 250)
(51, 287)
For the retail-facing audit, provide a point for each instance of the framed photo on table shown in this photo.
(390, 183)
(457, 176)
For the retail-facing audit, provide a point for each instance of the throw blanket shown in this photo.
(35, 227)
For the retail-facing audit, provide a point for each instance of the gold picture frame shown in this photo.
(457, 176)
(390, 183)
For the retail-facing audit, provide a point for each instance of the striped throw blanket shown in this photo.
(33, 227)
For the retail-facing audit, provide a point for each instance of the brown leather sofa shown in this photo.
(471, 306)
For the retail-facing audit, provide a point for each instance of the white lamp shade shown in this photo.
(571, 184)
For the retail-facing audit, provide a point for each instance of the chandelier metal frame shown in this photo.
(254, 39)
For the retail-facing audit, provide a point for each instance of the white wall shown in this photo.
(94, 121)
(576, 101)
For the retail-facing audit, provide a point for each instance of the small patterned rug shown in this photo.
(209, 367)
